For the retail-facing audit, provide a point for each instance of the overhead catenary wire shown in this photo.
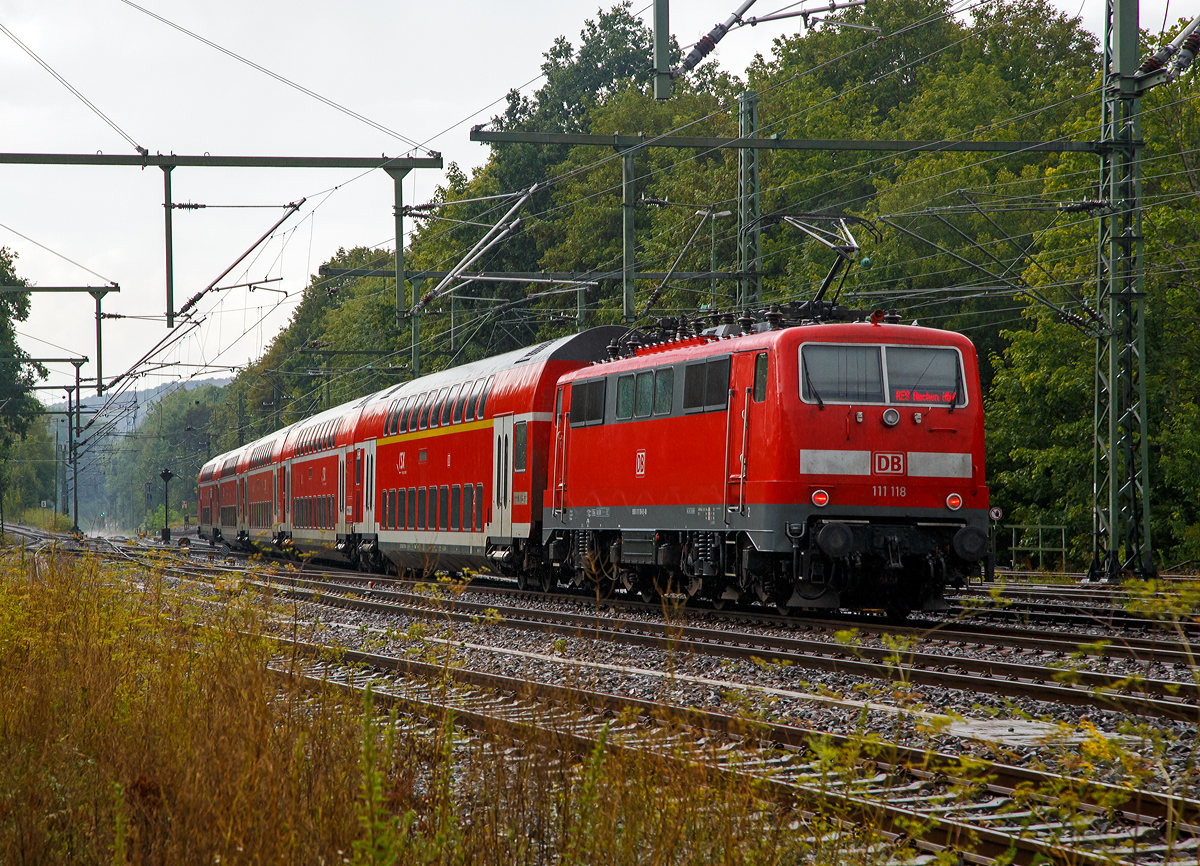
(399, 241)
(281, 79)
(108, 120)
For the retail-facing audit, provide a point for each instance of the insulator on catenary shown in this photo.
(1187, 53)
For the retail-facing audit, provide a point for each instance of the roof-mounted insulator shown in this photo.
(892, 316)
(684, 329)
(746, 320)
(775, 318)
(614, 350)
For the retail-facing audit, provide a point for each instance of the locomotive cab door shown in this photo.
(558, 469)
(285, 505)
(343, 515)
(737, 430)
(502, 477)
(354, 501)
(367, 488)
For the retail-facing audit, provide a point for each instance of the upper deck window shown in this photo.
(881, 374)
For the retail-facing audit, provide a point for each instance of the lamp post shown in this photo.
(713, 215)
(166, 475)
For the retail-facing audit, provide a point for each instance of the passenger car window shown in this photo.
(448, 406)
(469, 409)
(483, 397)
(519, 446)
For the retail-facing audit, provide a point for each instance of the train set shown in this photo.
(800, 463)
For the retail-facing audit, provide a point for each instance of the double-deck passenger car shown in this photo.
(817, 465)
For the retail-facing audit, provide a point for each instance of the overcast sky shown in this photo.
(426, 70)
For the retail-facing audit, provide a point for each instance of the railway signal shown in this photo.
(166, 475)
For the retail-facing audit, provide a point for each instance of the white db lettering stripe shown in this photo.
(934, 464)
(819, 462)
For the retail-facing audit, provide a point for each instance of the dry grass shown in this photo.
(140, 724)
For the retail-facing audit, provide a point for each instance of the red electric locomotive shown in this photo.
(816, 465)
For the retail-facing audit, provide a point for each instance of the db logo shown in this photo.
(639, 464)
(887, 463)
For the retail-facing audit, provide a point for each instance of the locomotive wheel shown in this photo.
(648, 592)
(721, 603)
(783, 608)
(522, 580)
(549, 580)
(895, 614)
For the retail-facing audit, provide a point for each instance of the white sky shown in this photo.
(417, 68)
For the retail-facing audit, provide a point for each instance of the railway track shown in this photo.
(932, 799)
(1144, 645)
(1159, 698)
(935, 803)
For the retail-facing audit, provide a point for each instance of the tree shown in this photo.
(17, 404)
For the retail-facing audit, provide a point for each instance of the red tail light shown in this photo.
(954, 502)
(820, 498)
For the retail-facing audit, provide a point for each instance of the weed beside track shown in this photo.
(141, 722)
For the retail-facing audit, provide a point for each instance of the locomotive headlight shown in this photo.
(891, 417)
(820, 498)
(954, 502)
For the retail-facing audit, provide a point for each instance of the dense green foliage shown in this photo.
(952, 240)
(26, 455)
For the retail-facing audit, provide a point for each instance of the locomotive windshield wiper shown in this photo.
(957, 385)
(808, 381)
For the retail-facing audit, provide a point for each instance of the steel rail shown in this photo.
(1002, 678)
(939, 829)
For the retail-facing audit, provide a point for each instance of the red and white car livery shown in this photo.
(821, 465)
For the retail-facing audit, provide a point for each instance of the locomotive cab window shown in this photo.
(842, 374)
(922, 375)
(917, 374)
(760, 377)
